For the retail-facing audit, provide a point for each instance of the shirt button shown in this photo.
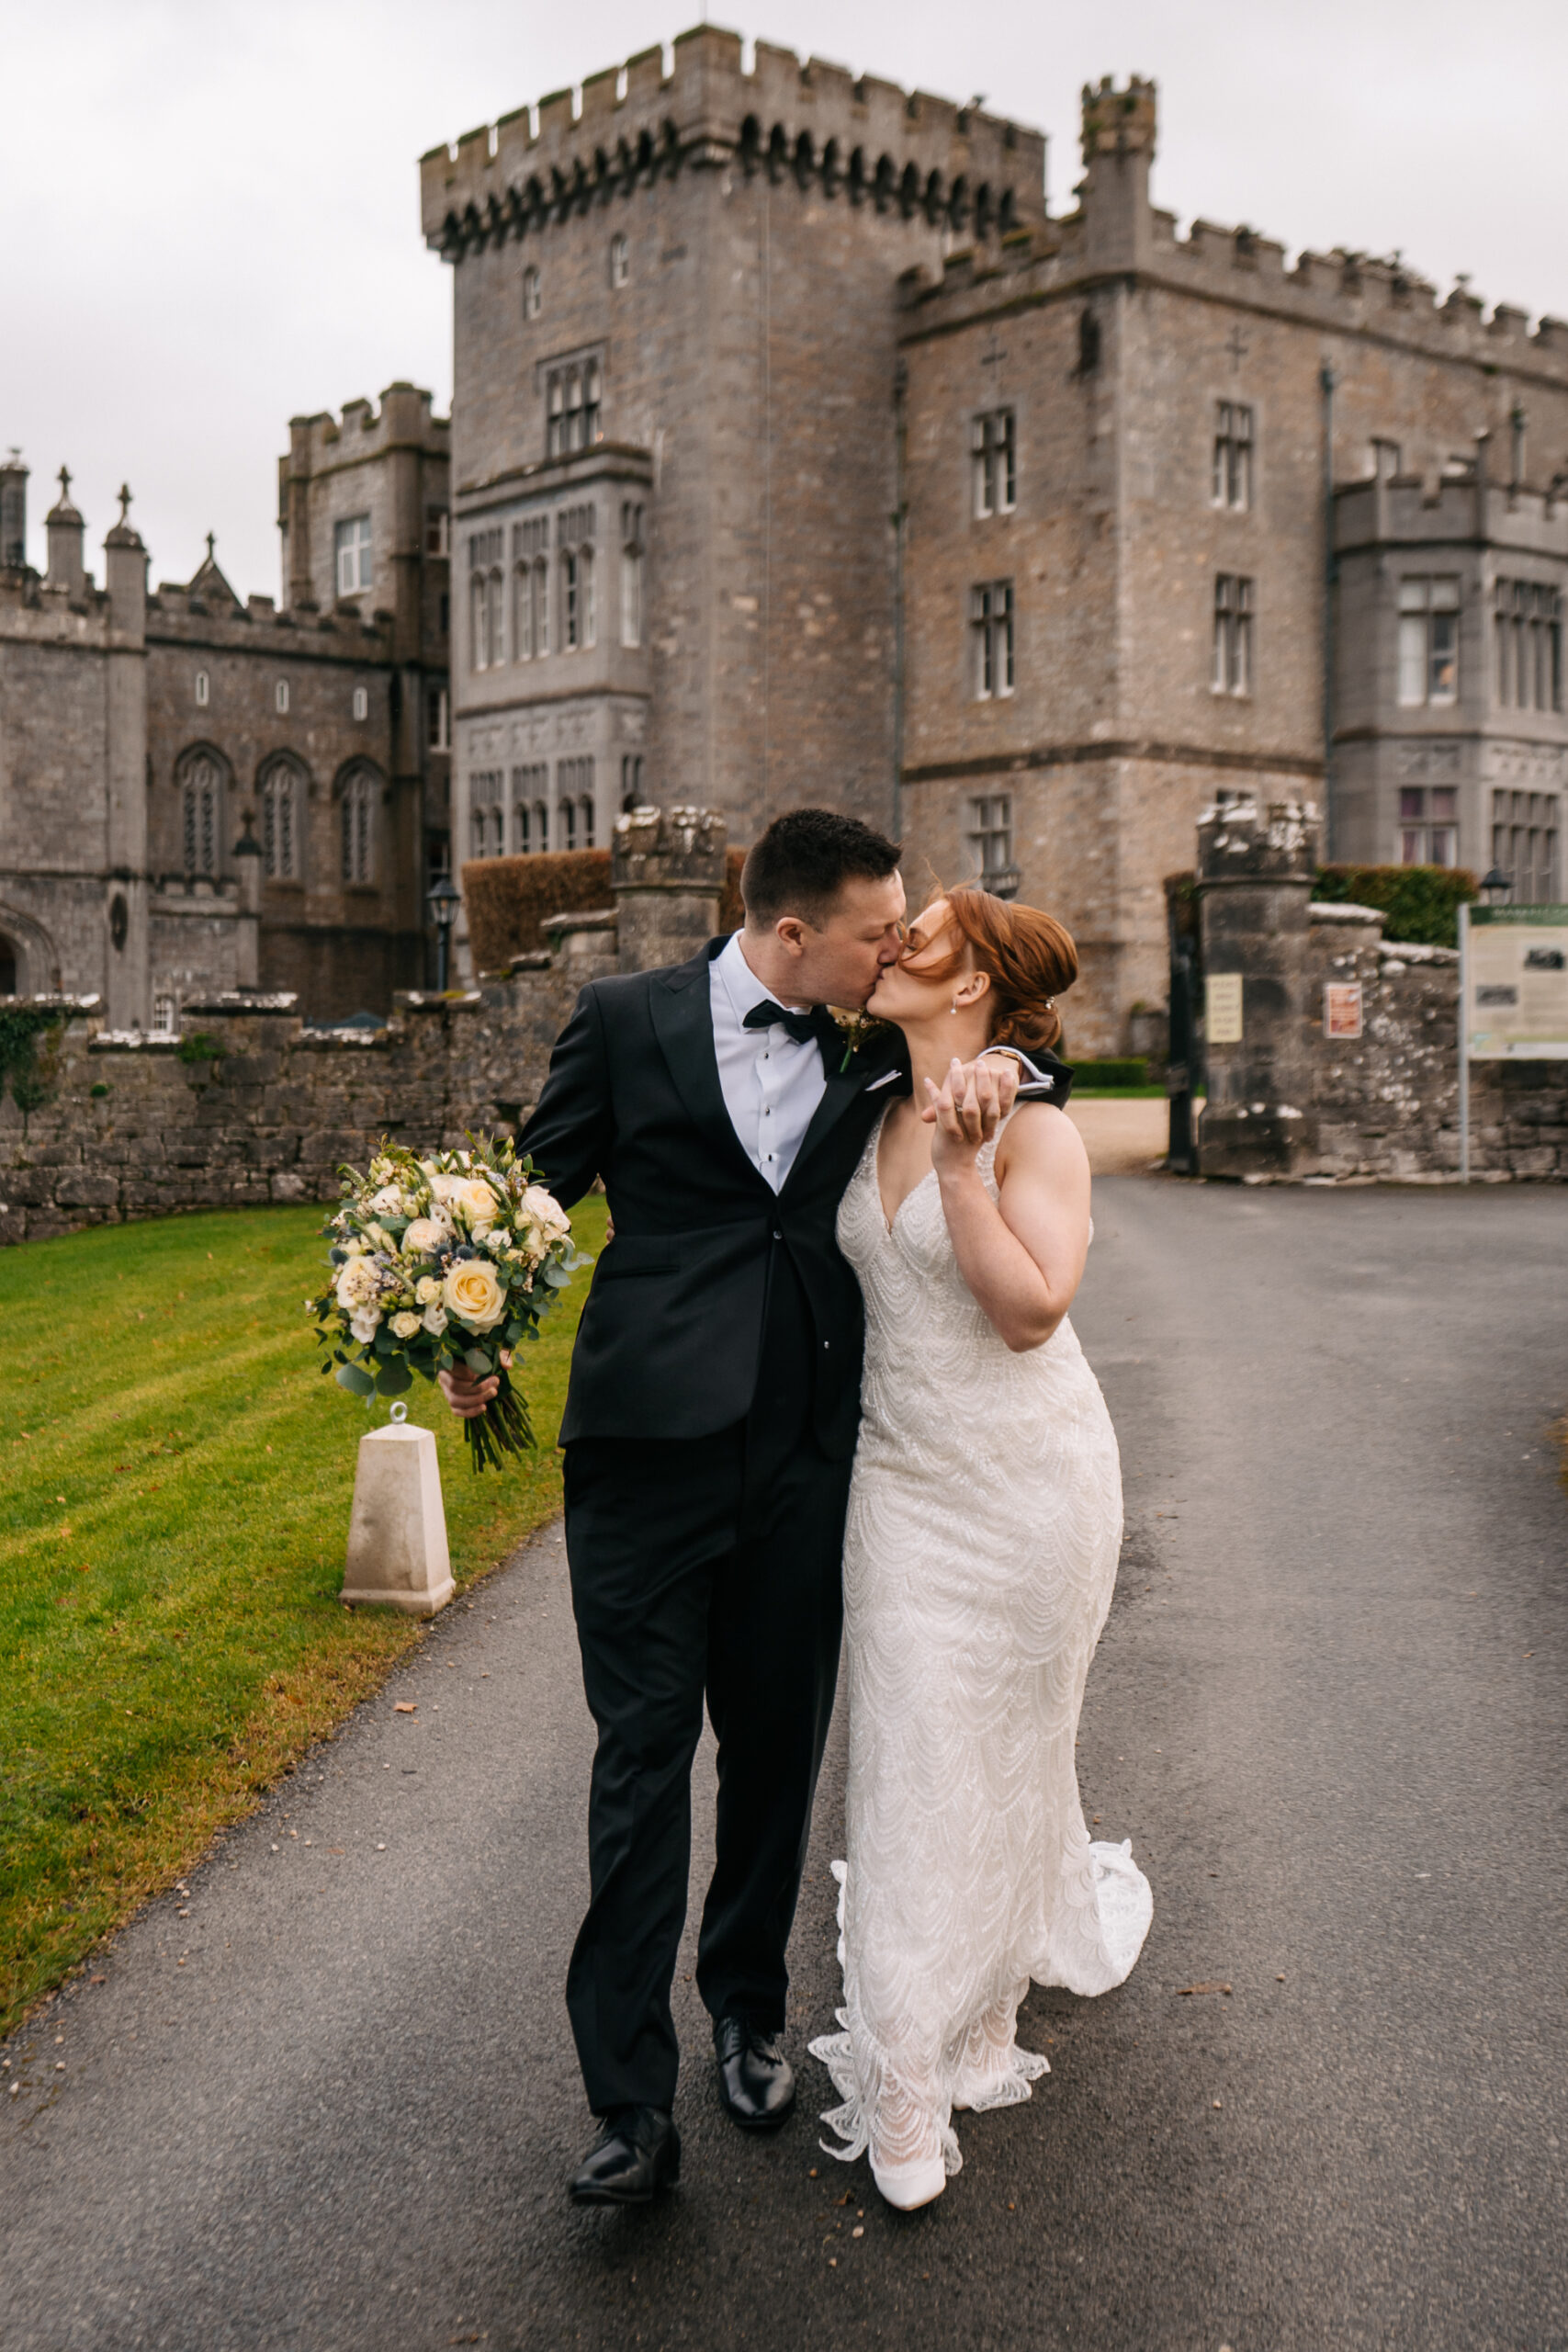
(777, 1235)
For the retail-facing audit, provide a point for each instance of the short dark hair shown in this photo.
(801, 863)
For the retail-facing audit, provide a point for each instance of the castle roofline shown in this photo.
(404, 419)
(867, 138)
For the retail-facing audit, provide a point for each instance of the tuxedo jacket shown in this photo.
(671, 1336)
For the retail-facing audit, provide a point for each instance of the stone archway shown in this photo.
(30, 960)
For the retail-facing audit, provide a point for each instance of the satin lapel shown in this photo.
(682, 1011)
(842, 1089)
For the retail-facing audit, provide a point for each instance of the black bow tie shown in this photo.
(802, 1026)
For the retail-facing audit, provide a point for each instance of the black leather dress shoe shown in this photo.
(756, 2080)
(637, 2153)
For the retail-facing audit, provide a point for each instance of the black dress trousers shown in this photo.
(702, 1565)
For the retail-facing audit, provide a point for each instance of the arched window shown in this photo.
(523, 612)
(525, 783)
(9, 963)
(586, 815)
(283, 802)
(587, 616)
(620, 261)
(487, 816)
(631, 572)
(201, 812)
(542, 604)
(568, 824)
(496, 618)
(522, 829)
(531, 293)
(541, 824)
(361, 790)
(570, 600)
(478, 622)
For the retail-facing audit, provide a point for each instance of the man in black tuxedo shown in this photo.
(708, 1433)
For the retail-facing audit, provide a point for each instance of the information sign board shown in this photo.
(1513, 993)
(1221, 1010)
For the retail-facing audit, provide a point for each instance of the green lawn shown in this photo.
(177, 1487)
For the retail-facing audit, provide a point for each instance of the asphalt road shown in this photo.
(1329, 1709)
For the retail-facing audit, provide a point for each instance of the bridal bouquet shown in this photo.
(440, 1262)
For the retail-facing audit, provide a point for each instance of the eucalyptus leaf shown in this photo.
(357, 1383)
(478, 1361)
(392, 1379)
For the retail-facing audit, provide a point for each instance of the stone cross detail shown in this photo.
(212, 546)
(1238, 346)
(124, 503)
(65, 485)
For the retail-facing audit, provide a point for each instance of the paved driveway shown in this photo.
(1328, 1709)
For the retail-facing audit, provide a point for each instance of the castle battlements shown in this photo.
(404, 420)
(1116, 232)
(1397, 509)
(864, 139)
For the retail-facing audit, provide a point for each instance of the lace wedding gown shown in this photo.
(984, 1523)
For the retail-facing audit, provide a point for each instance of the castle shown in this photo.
(798, 452)
(198, 794)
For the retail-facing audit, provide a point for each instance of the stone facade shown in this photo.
(144, 737)
(248, 1105)
(1288, 1101)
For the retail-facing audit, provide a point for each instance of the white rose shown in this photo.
(427, 1290)
(387, 1202)
(542, 1209)
(434, 1320)
(358, 1284)
(405, 1324)
(363, 1324)
(473, 1295)
(496, 1242)
(424, 1237)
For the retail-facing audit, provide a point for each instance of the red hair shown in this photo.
(1028, 957)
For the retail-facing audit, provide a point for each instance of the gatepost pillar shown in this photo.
(1254, 879)
(666, 868)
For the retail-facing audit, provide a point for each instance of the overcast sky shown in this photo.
(210, 211)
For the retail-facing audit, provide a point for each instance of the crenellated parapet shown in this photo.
(405, 419)
(863, 139)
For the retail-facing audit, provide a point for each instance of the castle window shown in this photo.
(201, 808)
(351, 547)
(487, 818)
(523, 612)
(437, 531)
(1231, 482)
(1234, 604)
(280, 698)
(572, 397)
(533, 296)
(631, 572)
(541, 605)
(203, 689)
(1524, 845)
(1428, 834)
(990, 844)
(993, 457)
(574, 789)
(162, 1016)
(438, 720)
(991, 629)
(1528, 628)
(541, 824)
(569, 819)
(358, 826)
(631, 781)
(1429, 641)
(282, 799)
(362, 702)
(620, 261)
(479, 621)
(585, 814)
(528, 786)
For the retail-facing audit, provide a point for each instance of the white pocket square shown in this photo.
(885, 1079)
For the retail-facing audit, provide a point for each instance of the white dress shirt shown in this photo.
(772, 1085)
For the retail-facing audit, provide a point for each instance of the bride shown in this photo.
(984, 1523)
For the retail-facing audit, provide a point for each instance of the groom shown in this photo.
(708, 1434)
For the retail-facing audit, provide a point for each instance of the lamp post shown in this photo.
(1496, 886)
(445, 898)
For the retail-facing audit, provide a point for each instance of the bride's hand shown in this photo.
(966, 1112)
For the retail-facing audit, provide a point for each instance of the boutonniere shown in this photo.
(857, 1030)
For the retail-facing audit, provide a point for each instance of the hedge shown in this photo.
(1131, 1070)
(1420, 903)
(510, 899)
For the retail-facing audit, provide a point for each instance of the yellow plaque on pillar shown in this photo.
(1222, 1008)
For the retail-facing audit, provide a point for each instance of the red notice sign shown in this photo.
(1342, 1009)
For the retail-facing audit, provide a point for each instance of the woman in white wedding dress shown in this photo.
(984, 1523)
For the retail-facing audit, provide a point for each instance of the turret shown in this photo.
(13, 512)
(65, 529)
(125, 573)
(1118, 148)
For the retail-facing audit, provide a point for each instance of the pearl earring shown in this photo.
(953, 1006)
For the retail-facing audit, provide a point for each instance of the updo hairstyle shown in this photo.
(1029, 957)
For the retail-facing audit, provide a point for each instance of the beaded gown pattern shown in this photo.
(985, 1524)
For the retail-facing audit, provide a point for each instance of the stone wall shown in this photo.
(1289, 1103)
(248, 1105)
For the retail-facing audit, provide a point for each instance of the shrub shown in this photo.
(1420, 903)
(1132, 1069)
(510, 899)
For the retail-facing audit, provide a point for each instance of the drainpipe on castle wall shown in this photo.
(900, 521)
(1327, 381)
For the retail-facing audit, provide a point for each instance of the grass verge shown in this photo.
(175, 1508)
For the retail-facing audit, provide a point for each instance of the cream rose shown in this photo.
(427, 1290)
(434, 1320)
(473, 1295)
(543, 1209)
(358, 1284)
(363, 1322)
(471, 1198)
(424, 1237)
(405, 1324)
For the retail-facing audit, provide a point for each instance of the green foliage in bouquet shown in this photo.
(446, 1260)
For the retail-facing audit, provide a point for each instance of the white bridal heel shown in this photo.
(910, 2185)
